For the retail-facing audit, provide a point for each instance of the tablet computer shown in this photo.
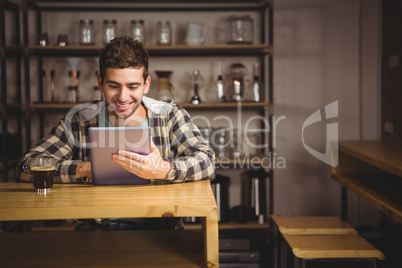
(106, 141)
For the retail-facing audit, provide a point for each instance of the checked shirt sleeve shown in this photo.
(194, 160)
(61, 143)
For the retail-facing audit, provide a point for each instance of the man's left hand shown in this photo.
(150, 166)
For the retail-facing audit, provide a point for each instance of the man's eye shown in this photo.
(113, 86)
(133, 88)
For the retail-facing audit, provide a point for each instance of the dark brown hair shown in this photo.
(124, 52)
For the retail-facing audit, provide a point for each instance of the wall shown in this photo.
(317, 48)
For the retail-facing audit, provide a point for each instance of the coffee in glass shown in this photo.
(42, 171)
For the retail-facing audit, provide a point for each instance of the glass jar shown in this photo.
(72, 94)
(109, 30)
(87, 32)
(164, 33)
(137, 30)
(240, 30)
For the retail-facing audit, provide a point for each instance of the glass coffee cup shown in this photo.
(41, 171)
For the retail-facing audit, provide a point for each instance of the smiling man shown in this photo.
(178, 151)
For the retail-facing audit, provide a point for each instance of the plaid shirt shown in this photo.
(172, 131)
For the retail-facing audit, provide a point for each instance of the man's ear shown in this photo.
(100, 84)
(147, 85)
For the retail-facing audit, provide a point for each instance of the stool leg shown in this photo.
(374, 263)
(278, 253)
(283, 251)
(298, 263)
(344, 203)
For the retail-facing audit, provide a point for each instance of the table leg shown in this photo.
(211, 239)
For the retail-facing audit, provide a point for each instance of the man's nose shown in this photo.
(123, 94)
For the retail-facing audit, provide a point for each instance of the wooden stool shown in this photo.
(312, 226)
(304, 226)
(334, 248)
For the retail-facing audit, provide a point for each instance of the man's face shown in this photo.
(123, 90)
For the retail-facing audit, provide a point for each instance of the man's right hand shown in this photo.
(83, 170)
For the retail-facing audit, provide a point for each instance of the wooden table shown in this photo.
(373, 171)
(70, 201)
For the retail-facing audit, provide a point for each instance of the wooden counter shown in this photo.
(373, 171)
(18, 201)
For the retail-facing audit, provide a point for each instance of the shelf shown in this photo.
(175, 50)
(204, 106)
(380, 190)
(229, 226)
(228, 105)
(11, 106)
(150, 5)
(385, 155)
(103, 249)
(244, 161)
(10, 162)
(69, 226)
(10, 51)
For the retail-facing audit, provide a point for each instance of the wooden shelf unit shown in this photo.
(10, 110)
(174, 50)
(262, 50)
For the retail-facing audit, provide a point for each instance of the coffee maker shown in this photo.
(164, 85)
(254, 193)
(220, 188)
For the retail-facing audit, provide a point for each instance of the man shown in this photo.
(178, 152)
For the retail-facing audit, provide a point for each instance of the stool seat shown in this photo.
(332, 246)
(312, 225)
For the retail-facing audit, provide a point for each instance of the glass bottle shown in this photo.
(256, 85)
(164, 33)
(87, 32)
(197, 83)
(138, 30)
(109, 30)
(219, 84)
(72, 94)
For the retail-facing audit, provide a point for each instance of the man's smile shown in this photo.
(123, 106)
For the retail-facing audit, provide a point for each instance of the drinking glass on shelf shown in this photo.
(62, 40)
(43, 39)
